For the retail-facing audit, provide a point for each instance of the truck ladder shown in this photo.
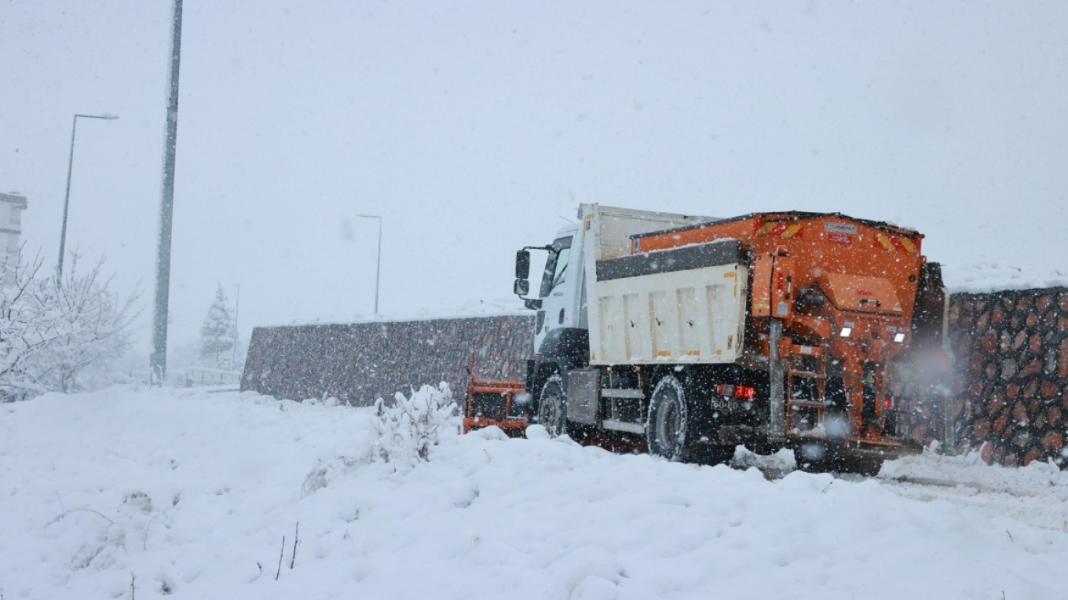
(796, 371)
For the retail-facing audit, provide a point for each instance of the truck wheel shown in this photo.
(666, 427)
(814, 458)
(823, 458)
(552, 406)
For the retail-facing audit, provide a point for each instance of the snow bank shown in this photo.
(773, 466)
(193, 492)
(464, 309)
(1039, 479)
(994, 276)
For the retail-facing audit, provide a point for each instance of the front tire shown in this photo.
(667, 427)
(552, 406)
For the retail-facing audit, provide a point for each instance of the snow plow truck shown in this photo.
(690, 335)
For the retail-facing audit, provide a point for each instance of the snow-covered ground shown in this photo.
(192, 492)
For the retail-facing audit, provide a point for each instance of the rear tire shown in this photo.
(552, 406)
(668, 424)
(713, 455)
(814, 458)
(824, 458)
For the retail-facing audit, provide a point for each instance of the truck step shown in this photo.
(811, 374)
(810, 434)
(623, 426)
(622, 393)
(804, 351)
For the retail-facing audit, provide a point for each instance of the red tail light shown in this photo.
(888, 404)
(739, 392)
(744, 392)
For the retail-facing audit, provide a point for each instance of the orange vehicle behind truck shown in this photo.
(697, 334)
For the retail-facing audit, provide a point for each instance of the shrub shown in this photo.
(408, 429)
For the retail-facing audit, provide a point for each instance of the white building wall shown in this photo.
(11, 207)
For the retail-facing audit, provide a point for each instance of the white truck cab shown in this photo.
(602, 233)
(560, 289)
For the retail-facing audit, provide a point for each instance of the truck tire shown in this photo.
(668, 424)
(829, 458)
(814, 457)
(552, 406)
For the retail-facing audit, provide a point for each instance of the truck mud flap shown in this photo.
(777, 393)
(583, 398)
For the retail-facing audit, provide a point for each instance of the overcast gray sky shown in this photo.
(476, 127)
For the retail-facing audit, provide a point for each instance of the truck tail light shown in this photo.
(744, 392)
(739, 392)
(888, 404)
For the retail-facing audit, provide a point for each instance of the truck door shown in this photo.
(559, 295)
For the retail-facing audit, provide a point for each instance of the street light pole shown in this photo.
(66, 197)
(378, 265)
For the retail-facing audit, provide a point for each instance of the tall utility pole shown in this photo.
(158, 362)
(66, 197)
(378, 265)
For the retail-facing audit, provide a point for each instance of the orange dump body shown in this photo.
(844, 290)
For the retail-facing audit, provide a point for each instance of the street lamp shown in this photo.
(378, 267)
(66, 198)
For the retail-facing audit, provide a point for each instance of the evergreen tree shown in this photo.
(217, 333)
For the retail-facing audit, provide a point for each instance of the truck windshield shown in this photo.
(556, 266)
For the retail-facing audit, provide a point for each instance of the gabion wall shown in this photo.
(358, 363)
(1011, 351)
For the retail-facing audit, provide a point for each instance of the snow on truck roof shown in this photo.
(789, 215)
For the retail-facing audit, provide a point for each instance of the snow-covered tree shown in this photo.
(54, 330)
(217, 333)
(407, 430)
(21, 334)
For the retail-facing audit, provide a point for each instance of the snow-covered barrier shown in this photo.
(1011, 351)
(358, 363)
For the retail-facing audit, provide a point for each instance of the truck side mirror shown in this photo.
(521, 287)
(522, 265)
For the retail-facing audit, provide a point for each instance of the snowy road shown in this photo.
(1036, 496)
(191, 493)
